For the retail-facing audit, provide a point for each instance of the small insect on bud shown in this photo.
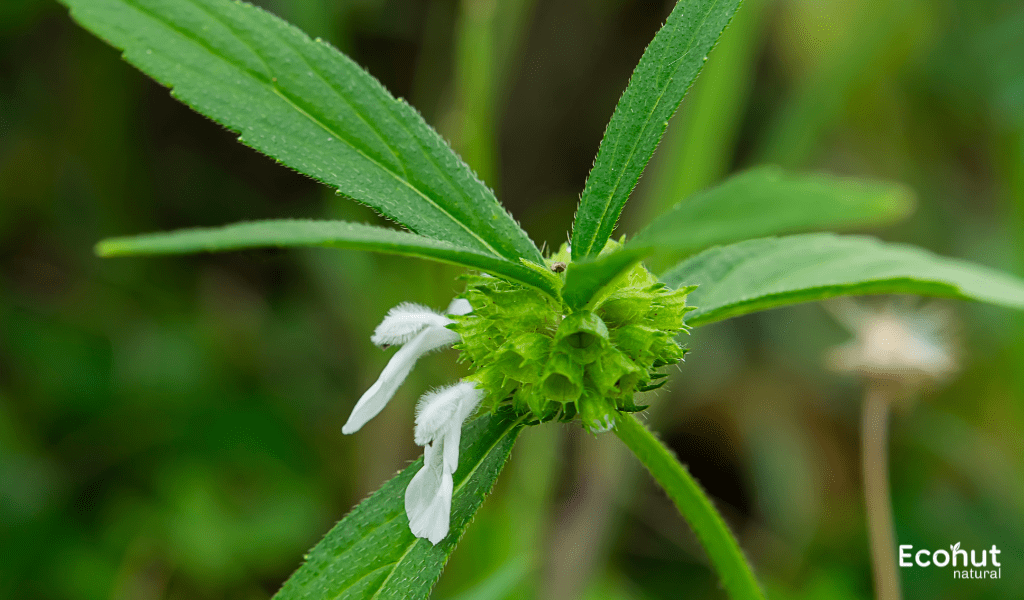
(558, 267)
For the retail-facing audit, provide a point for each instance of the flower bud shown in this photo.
(625, 308)
(523, 356)
(615, 375)
(635, 341)
(666, 312)
(563, 379)
(583, 336)
(597, 413)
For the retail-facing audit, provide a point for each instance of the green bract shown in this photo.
(546, 360)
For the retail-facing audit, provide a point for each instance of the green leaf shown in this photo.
(659, 82)
(766, 273)
(756, 203)
(584, 280)
(334, 234)
(694, 505)
(311, 108)
(372, 554)
(769, 201)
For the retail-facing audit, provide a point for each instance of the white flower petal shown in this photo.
(459, 307)
(421, 492)
(433, 413)
(439, 414)
(397, 369)
(428, 499)
(404, 321)
(439, 409)
(424, 485)
(470, 397)
(450, 446)
(468, 402)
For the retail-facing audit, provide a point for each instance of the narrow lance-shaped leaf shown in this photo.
(769, 201)
(334, 234)
(766, 273)
(694, 505)
(311, 108)
(659, 82)
(372, 554)
(756, 203)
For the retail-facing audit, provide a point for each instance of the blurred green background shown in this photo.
(170, 427)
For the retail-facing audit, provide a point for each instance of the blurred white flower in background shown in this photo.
(895, 341)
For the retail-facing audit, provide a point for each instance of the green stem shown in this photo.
(725, 554)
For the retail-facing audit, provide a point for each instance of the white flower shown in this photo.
(420, 330)
(439, 418)
(428, 499)
(439, 415)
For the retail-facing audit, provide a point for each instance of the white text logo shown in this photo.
(983, 565)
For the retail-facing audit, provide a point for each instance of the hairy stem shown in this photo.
(725, 554)
(875, 457)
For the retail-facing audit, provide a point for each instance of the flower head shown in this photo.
(528, 353)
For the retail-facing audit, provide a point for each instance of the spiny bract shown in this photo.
(529, 351)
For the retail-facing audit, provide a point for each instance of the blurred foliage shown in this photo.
(170, 427)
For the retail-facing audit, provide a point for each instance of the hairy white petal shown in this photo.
(440, 417)
(397, 369)
(439, 414)
(442, 408)
(404, 321)
(458, 307)
(428, 498)
(469, 400)
(434, 411)
(470, 397)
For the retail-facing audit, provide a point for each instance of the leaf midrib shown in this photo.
(726, 311)
(278, 92)
(650, 114)
(369, 123)
(776, 280)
